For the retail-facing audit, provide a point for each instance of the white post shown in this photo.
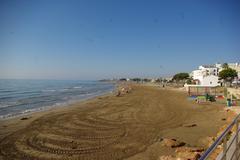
(224, 148)
(237, 145)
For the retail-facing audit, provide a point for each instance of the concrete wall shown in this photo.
(210, 81)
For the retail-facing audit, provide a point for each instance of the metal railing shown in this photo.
(230, 145)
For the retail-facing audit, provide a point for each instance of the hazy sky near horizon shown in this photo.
(95, 39)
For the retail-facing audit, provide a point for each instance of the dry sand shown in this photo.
(106, 128)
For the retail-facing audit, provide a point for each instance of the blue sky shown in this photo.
(92, 39)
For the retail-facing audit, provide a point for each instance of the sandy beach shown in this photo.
(132, 126)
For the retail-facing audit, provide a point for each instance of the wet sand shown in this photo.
(127, 127)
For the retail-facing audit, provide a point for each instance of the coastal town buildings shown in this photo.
(206, 70)
(206, 75)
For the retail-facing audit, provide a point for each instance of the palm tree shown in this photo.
(225, 66)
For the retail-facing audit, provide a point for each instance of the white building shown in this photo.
(205, 70)
(210, 80)
(210, 69)
(206, 75)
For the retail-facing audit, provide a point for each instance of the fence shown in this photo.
(201, 90)
(230, 145)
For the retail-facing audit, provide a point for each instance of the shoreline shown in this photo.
(121, 108)
(54, 106)
(21, 121)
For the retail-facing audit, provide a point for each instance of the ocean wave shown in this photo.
(64, 89)
(32, 110)
(5, 97)
(77, 87)
(48, 90)
(17, 94)
(24, 112)
(4, 106)
(9, 104)
(24, 102)
(6, 91)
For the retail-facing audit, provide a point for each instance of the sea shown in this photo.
(19, 97)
